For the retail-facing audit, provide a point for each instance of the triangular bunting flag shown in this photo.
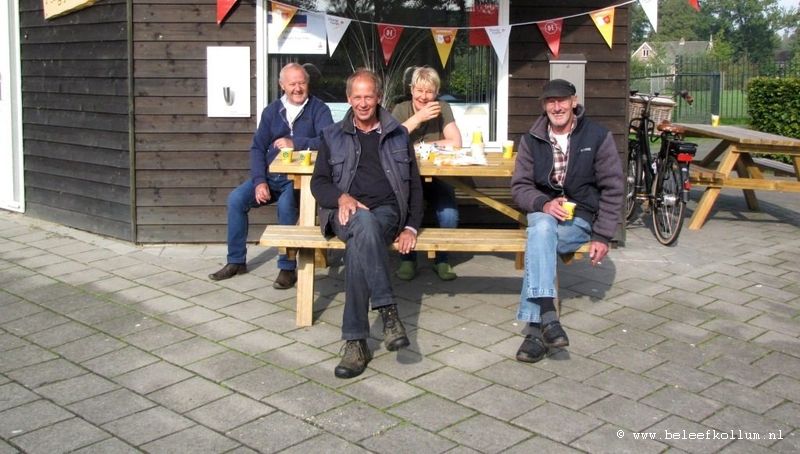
(335, 27)
(444, 38)
(390, 36)
(499, 38)
(604, 21)
(551, 30)
(281, 16)
(223, 8)
(650, 8)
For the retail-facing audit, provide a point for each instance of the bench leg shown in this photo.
(305, 287)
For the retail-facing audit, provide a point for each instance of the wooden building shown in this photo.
(115, 135)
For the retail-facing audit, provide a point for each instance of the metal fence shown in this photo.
(718, 87)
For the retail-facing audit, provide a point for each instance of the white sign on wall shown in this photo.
(228, 81)
(305, 34)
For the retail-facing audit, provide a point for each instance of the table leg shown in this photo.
(305, 257)
(710, 195)
(746, 168)
(305, 288)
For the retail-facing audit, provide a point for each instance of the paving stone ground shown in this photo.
(110, 347)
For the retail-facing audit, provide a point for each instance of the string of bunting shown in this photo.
(483, 22)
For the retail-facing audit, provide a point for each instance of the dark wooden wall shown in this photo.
(75, 117)
(186, 162)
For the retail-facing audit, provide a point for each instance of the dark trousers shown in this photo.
(366, 260)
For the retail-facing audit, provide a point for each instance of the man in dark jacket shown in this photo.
(294, 121)
(368, 187)
(565, 157)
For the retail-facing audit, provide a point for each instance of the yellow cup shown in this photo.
(287, 155)
(477, 136)
(569, 207)
(714, 120)
(306, 155)
(508, 149)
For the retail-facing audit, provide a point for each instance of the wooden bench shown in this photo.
(429, 240)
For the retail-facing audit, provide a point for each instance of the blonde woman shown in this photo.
(430, 120)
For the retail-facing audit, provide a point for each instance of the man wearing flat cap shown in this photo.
(564, 159)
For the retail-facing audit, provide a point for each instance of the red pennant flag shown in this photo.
(390, 36)
(551, 30)
(223, 8)
(483, 14)
(695, 4)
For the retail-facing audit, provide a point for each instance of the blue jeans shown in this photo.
(546, 239)
(242, 199)
(366, 261)
(442, 198)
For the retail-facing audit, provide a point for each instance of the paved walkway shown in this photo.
(108, 347)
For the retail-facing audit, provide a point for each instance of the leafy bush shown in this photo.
(774, 105)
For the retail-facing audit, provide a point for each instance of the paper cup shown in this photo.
(569, 207)
(287, 155)
(508, 149)
(714, 120)
(306, 155)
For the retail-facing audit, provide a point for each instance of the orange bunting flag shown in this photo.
(444, 38)
(223, 8)
(551, 30)
(390, 36)
(695, 4)
(604, 21)
(281, 16)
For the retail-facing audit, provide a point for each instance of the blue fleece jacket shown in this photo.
(305, 133)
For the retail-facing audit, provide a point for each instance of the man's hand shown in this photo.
(262, 193)
(597, 250)
(406, 241)
(283, 142)
(347, 207)
(554, 208)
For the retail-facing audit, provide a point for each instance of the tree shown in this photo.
(677, 19)
(749, 25)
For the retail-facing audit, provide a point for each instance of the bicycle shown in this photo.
(659, 185)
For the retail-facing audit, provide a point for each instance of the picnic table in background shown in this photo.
(735, 151)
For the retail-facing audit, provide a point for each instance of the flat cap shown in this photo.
(557, 88)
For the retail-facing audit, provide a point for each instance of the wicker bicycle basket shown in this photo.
(660, 109)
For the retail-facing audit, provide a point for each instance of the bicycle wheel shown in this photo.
(634, 169)
(668, 206)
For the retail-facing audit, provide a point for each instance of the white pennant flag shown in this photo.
(650, 8)
(335, 26)
(499, 38)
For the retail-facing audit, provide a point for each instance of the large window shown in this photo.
(469, 79)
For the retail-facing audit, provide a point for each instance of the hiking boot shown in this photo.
(407, 270)
(394, 333)
(531, 350)
(354, 359)
(228, 271)
(285, 279)
(554, 335)
(445, 271)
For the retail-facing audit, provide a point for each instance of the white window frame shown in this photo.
(262, 74)
(12, 159)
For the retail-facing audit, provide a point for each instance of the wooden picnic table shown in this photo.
(452, 174)
(735, 150)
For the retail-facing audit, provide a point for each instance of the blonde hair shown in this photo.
(426, 76)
